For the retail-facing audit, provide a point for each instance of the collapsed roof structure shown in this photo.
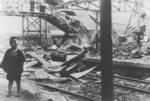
(64, 14)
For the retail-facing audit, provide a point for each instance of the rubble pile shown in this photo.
(64, 69)
(128, 48)
(124, 51)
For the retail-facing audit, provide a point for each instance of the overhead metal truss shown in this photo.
(78, 4)
(32, 21)
(34, 26)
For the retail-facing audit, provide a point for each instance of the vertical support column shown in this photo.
(97, 36)
(106, 50)
(23, 29)
(96, 31)
(46, 32)
(40, 26)
(27, 27)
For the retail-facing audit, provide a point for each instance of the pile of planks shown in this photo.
(58, 71)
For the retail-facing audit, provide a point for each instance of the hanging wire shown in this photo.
(133, 11)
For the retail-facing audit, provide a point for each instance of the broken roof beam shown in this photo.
(64, 24)
(54, 2)
(74, 2)
(75, 59)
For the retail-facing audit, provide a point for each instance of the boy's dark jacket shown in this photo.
(13, 63)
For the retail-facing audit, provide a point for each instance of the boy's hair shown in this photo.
(12, 38)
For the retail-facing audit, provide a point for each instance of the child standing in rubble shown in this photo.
(13, 65)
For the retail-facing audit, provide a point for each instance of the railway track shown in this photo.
(123, 68)
(132, 74)
(97, 80)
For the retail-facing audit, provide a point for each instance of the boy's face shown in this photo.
(14, 43)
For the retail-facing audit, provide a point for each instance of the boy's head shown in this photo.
(14, 41)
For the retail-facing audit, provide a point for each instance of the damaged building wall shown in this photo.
(123, 18)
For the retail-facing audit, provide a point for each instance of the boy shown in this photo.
(13, 65)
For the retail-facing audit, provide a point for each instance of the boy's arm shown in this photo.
(4, 62)
(22, 57)
(22, 60)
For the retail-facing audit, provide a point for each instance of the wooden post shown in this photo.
(27, 36)
(106, 50)
(40, 26)
(97, 31)
(46, 32)
(23, 29)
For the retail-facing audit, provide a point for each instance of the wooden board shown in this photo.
(81, 74)
(135, 63)
(76, 58)
(30, 64)
(46, 65)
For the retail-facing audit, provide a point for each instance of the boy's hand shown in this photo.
(5, 70)
(1, 66)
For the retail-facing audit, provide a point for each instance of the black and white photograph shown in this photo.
(74, 50)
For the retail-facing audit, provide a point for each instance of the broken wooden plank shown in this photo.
(57, 56)
(30, 64)
(50, 77)
(67, 76)
(81, 74)
(29, 70)
(46, 65)
(75, 76)
(40, 59)
(90, 77)
(62, 69)
(71, 67)
(119, 77)
(122, 63)
(58, 79)
(75, 59)
(56, 69)
(123, 67)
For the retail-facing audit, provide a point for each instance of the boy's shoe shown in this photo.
(17, 95)
(9, 95)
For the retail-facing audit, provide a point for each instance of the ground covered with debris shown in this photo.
(26, 92)
(72, 73)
